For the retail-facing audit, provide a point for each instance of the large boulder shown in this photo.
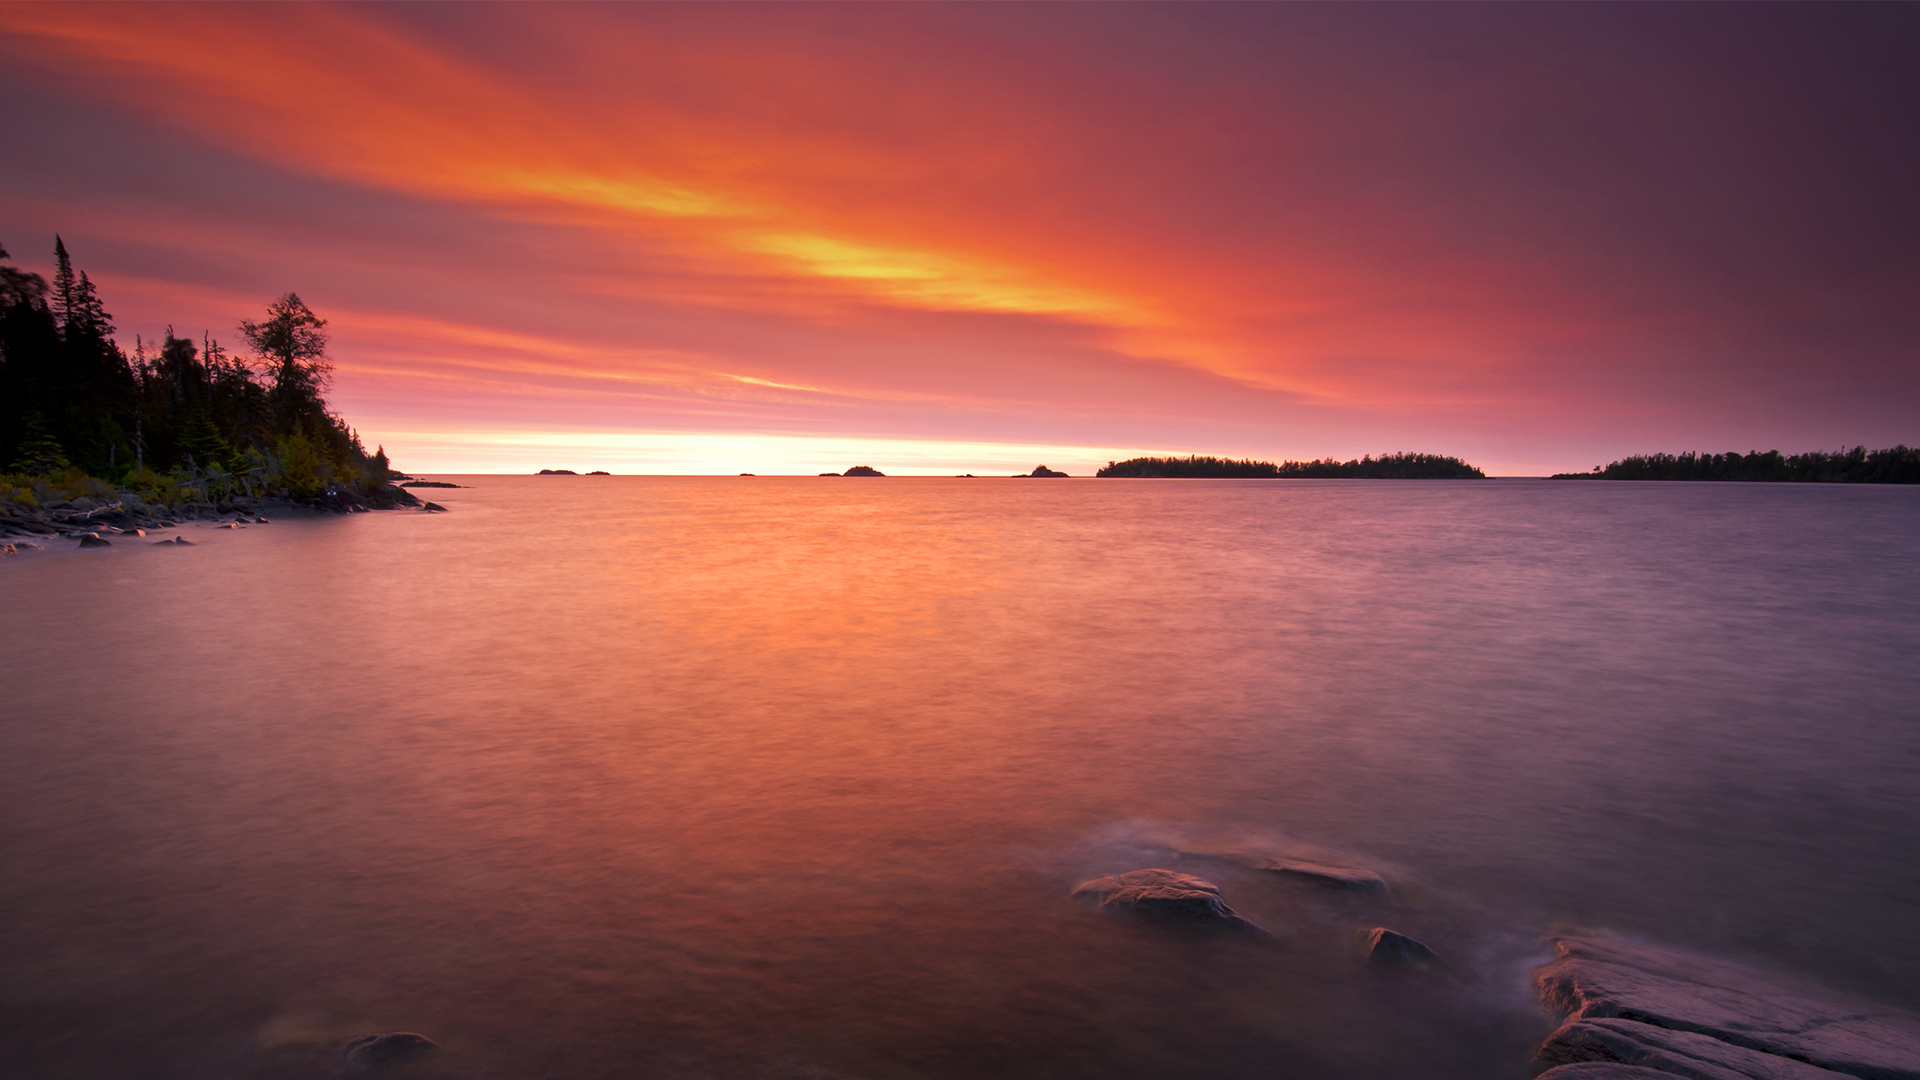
(1679, 1053)
(1164, 894)
(390, 497)
(339, 500)
(1597, 979)
(363, 1052)
(1390, 948)
(1602, 1070)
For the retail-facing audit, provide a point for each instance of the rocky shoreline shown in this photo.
(98, 521)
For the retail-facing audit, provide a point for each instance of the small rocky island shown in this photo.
(857, 470)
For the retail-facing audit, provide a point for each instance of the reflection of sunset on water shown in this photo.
(790, 777)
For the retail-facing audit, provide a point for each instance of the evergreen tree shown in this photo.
(206, 447)
(88, 317)
(21, 288)
(40, 452)
(64, 286)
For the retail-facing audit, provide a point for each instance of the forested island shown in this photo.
(1384, 467)
(1896, 465)
(185, 428)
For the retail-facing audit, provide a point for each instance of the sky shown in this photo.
(787, 238)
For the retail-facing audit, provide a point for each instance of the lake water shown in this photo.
(790, 777)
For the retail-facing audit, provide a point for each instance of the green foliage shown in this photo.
(1895, 465)
(207, 448)
(1385, 467)
(298, 466)
(39, 453)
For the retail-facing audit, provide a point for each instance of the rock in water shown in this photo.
(434, 508)
(1388, 948)
(1165, 894)
(1684, 1053)
(1603, 1070)
(1303, 862)
(95, 540)
(1663, 992)
(364, 1052)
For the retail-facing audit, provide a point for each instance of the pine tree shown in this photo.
(40, 453)
(88, 316)
(207, 448)
(64, 287)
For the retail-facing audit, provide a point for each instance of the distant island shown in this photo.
(1038, 470)
(429, 483)
(857, 470)
(556, 472)
(1384, 467)
(1896, 465)
(599, 472)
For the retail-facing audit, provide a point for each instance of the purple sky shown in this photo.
(967, 238)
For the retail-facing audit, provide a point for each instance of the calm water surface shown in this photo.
(781, 777)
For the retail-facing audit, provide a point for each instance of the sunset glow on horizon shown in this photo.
(939, 239)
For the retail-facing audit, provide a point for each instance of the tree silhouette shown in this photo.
(64, 285)
(292, 341)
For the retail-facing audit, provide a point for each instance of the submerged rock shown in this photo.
(1682, 1053)
(364, 1052)
(1303, 862)
(1357, 879)
(1164, 894)
(434, 508)
(1602, 1070)
(1389, 948)
(94, 540)
(1663, 993)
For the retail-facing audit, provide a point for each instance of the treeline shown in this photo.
(1384, 467)
(1897, 465)
(176, 420)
